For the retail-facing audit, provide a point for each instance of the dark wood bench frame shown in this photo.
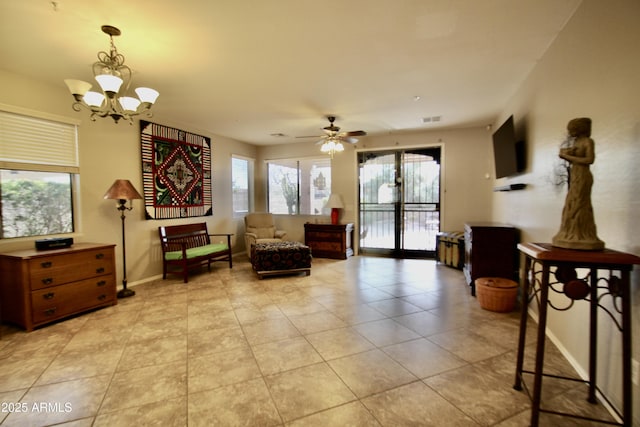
(182, 237)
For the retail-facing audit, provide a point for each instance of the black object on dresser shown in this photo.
(490, 251)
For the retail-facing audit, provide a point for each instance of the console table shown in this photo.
(329, 240)
(607, 277)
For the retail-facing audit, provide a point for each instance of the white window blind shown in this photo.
(37, 144)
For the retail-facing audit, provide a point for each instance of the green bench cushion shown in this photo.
(197, 251)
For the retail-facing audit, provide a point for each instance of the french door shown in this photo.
(399, 202)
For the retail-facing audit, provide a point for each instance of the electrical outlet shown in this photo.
(635, 371)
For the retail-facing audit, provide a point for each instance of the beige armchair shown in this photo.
(261, 228)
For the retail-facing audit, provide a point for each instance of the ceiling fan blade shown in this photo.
(331, 129)
(354, 133)
(348, 139)
(309, 136)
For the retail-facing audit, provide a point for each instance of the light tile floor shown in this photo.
(367, 341)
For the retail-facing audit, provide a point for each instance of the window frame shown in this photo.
(66, 159)
(250, 185)
(316, 196)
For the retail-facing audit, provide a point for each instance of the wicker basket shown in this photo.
(496, 294)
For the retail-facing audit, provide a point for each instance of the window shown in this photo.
(38, 173)
(299, 186)
(241, 179)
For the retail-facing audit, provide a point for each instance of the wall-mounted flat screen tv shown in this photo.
(508, 152)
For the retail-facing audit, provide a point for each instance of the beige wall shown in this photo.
(591, 70)
(465, 164)
(109, 151)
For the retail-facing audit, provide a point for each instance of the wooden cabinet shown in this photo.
(490, 251)
(39, 287)
(329, 240)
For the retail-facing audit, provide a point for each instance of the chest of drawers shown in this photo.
(490, 251)
(329, 240)
(39, 287)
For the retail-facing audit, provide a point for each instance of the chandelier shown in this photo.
(331, 146)
(114, 79)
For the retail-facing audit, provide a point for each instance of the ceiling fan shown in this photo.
(332, 133)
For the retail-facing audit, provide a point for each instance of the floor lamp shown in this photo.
(122, 190)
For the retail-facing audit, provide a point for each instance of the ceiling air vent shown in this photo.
(432, 119)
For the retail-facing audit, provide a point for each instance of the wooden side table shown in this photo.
(607, 267)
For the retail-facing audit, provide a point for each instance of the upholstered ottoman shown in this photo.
(280, 258)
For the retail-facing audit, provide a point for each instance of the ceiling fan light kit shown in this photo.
(114, 79)
(332, 142)
(331, 147)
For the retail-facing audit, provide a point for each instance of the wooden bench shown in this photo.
(189, 245)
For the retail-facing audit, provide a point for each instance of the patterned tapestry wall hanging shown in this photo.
(176, 172)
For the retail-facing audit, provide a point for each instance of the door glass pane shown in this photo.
(400, 201)
(378, 197)
(421, 216)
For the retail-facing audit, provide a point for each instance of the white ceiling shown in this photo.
(247, 69)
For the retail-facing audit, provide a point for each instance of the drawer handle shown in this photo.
(100, 255)
(46, 264)
(47, 280)
(101, 283)
(48, 295)
(102, 297)
(100, 270)
(50, 311)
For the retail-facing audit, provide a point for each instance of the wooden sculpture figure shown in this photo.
(578, 227)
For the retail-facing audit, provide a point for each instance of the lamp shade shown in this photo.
(129, 103)
(335, 201)
(147, 94)
(93, 99)
(122, 189)
(109, 83)
(77, 87)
